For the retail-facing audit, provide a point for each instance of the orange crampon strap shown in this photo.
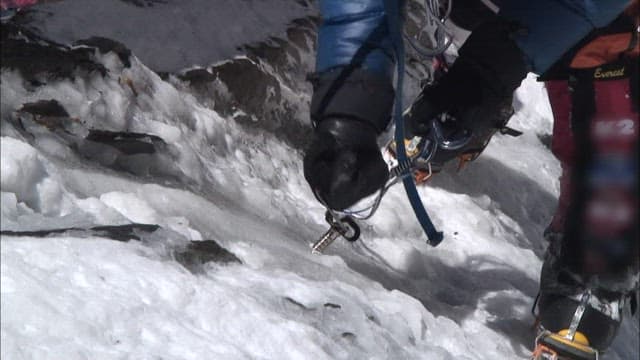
(421, 176)
(466, 158)
(542, 352)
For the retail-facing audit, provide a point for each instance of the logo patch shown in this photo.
(601, 73)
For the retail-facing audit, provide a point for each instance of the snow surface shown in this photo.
(388, 296)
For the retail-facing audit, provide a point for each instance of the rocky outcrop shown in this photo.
(193, 255)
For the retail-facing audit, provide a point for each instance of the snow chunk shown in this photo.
(132, 207)
(22, 170)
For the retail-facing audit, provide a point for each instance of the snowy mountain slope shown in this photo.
(211, 164)
(165, 34)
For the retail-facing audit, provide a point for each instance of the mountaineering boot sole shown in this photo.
(576, 327)
(557, 346)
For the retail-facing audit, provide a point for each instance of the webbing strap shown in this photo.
(394, 24)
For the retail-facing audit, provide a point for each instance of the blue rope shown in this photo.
(394, 23)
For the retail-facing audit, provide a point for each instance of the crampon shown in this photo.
(563, 346)
(422, 170)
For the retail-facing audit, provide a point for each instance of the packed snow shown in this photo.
(77, 295)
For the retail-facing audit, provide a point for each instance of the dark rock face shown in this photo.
(139, 154)
(136, 153)
(124, 232)
(105, 45)
(168, 35)
(127, 143)
(193, 256)
(45, 108)
(249, 86)
(197, 77)
(48, 113)
(115, 232)
(262, 90)
(39, 60)
(255, 90)
(199, 253)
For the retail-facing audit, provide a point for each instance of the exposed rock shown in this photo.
(198, 77)
(373, 319)
(292, 58)
(126, 142)
(115, 232)
(33, 118)
(193, 256)
(105, 46)
(332, 306)
(349, 336)
(136, 153)
(546, 140)
(51, 108)
(124, 232)
(252, 89)
(296, 303)
(199, 253)
(48, 113)
(39, 60)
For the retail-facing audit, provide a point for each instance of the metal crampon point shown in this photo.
(345, 227)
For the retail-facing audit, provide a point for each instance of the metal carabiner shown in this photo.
(451, 143)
